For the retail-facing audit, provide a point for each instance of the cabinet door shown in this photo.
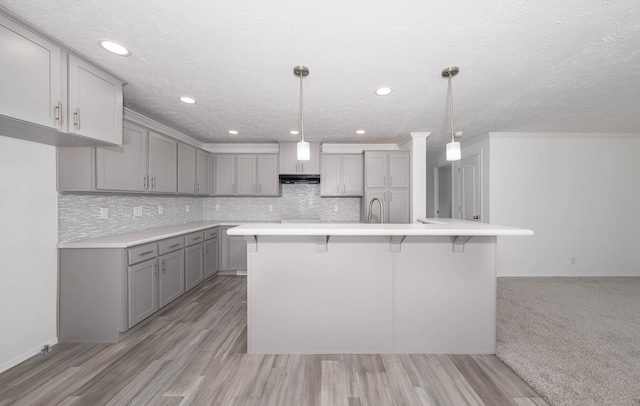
(375, 207)
(288, 158)
(143, 290)
(124, 168)
(171, 276)
(193, 266)
(225, 174)
(202, 172)
(163, 164)
(375, 169)
(29, 76)
(246, 175)
(186, 169)
(331, 175)
(95, 103)
(210, 257)
(312, 166)
(268, 180)
(224, 249)
(399, 169)
(398, 203)
(238, 253)
(352, 175)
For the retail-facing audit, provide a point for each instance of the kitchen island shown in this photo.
(372, 288)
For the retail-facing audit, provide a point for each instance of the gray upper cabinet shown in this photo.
(399, 169)
(224, 174)
(341, 174)
(124, 168)
(95, 103)
(268, 179)
(289, 163)
(186, 169)
(246, 175)
(202, 173)
(29, 76)
(163, 164)
(52, 97)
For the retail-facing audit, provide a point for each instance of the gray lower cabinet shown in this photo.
(143, 290)
(194, 259)
(211, 252)
(171, 276)
(233, 252)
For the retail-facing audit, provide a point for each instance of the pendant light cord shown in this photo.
(451, 108)
(301, 109)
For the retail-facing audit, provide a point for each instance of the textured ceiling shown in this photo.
(526, 66)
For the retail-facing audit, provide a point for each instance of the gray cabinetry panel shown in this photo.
(186, 169)
(387, 177)
(268, 179)
(238, 253)
(142, 253)
(163, 164)
(193, 266)
(246, 175)
(341, 174)
(224, 174)
(202, 172)
(224, 250)
(289, 163)
(124, 168)
(210, 257)
(143, 290)
(171, 276)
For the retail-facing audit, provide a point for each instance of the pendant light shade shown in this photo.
(454, 152)
(304, 153)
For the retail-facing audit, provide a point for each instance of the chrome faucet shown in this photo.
(381, 210)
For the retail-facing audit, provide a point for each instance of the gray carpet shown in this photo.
(575, 340)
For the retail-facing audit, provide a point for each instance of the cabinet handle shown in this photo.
(164, 268)
(144, 182)
(153, 182)
(233, 188)
(174, 245)
(155, 271)
(146, 253)
(390, 181)
(384, 181)
(59, 113)
(197, 238)
(254, 188)
(76, 118)
(195, 188)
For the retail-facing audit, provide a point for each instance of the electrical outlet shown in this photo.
(160, 210)
(104, 213)
(335, 207)
(137, 211)
(188, 208)
(217, 207)
(270, 207)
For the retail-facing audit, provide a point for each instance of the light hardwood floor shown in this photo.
(195, 354)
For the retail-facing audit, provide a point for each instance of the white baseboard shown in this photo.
(26, 355)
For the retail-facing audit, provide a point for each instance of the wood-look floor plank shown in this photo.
(194, 353)
(333, 387)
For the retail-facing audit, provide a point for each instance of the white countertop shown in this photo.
(433, 227)
(141, 237)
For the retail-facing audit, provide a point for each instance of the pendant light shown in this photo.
(304, 153)
(453, 147)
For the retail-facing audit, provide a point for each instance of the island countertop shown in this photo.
(428, 227)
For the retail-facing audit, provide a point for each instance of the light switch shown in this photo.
(335, 207)
(270, 207)
(137, 211)
(160, 209)
(104, 213)
(188, 208)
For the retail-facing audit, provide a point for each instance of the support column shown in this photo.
(418, 175)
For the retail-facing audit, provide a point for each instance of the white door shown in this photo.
(470, 196)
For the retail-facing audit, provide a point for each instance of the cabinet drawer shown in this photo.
(171, 244)
(193, 238)
(210, 233)
(142, 252)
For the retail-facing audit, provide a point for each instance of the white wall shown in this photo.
(580, 193)
(28, 257)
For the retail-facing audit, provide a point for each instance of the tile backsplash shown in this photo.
(79, 215)
(298, 202)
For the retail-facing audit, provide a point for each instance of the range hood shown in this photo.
(310, 179)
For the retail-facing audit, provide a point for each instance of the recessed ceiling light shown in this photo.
(233, 132)
(114, 47)
(294, 132)
(188, 100)
(360, 132)
(383, 91)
